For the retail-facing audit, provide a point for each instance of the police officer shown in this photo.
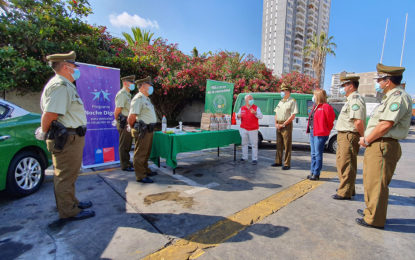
(389, 123)
(142, 118)
(60, 102)
(284, 115)
(122, 108)
(350, 127)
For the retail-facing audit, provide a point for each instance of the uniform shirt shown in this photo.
(286, 108)
(142, 107)
(123, 100)
(61, 97)
(355, 108)
(396, 107)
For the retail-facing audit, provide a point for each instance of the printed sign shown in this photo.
(219, 96)
(97, 88)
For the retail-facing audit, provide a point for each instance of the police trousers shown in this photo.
(124, 147)
(67, 163)
(346, 162)
(379, 163)
(284, 143)
(142, 152)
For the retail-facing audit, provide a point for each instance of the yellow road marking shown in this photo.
(192, 247)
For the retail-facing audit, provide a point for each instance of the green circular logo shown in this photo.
(355, 107)
(394, 106)
(219, 103)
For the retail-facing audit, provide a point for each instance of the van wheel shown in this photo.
(260, 139)
(332, 147)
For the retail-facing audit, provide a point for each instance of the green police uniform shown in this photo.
(142, 107)
(61, 97)
(382, 155)
(348, 140)
(123, 101)
(283, 111)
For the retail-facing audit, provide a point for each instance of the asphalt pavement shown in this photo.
(214, 208)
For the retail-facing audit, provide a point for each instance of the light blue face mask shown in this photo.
(76, 74)
(251, 102)
(282, 94)
(131, 87)
(150, 90)
(313, 99)
(342, 91)
(378, 88)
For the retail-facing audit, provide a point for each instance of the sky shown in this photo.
(358, 28)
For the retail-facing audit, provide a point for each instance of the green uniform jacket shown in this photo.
(61, 97)
(355, 108)
(396, 107)
(143, 108)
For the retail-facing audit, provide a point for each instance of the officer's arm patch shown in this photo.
(397, 93)
(355, 107)
(394, 106)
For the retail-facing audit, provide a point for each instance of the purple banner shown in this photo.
(97, 88)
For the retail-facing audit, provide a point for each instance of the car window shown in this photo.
(275, 103)
(4, 111)
(309, 106)
(262, 104)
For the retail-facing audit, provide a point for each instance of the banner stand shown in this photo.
(97, 88)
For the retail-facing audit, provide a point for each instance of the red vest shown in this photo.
(249, 121)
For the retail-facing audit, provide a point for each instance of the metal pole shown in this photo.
(404, 37)
(384, 39)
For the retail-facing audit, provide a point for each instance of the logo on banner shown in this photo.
(97, 95)
(104, 155)
(219, 102)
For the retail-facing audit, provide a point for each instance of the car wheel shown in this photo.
(332, 147)
(26, 173)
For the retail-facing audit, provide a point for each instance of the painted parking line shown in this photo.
(194, 245)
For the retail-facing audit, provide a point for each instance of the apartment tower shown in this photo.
(286, 26)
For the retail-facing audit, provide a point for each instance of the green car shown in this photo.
(23, 157)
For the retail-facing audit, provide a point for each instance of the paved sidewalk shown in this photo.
(214, 208)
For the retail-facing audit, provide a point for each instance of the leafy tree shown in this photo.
(195, 52)
(318, 47)
(139, 37)
(3, 5)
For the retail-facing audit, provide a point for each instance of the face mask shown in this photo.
(131, 87)
(76, 74)
(378, 88)
(150, 90)
(342, 91)
(251, 102)
(282, 94)
(313, 99)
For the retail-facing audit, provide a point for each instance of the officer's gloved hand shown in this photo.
(39, 134)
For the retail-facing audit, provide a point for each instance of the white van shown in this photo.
(267, 101)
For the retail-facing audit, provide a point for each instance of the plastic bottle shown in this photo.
(180, 126)
(164, 124)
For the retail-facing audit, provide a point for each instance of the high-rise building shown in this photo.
(366, 84)
(286, 27)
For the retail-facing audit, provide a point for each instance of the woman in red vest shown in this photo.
(320, 123)
(249, 115)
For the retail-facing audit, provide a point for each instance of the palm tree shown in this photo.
(195, 52)
(317, 48)
(139, 37)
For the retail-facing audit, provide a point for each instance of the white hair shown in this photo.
(246, 97)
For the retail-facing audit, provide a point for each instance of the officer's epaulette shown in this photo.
(355, 96)
(397, 93)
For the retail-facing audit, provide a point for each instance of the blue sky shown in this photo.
(236, 25)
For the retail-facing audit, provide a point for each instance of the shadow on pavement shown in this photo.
(218, 232)
(401, 225)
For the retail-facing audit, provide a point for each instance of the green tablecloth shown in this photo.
(169, 145)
